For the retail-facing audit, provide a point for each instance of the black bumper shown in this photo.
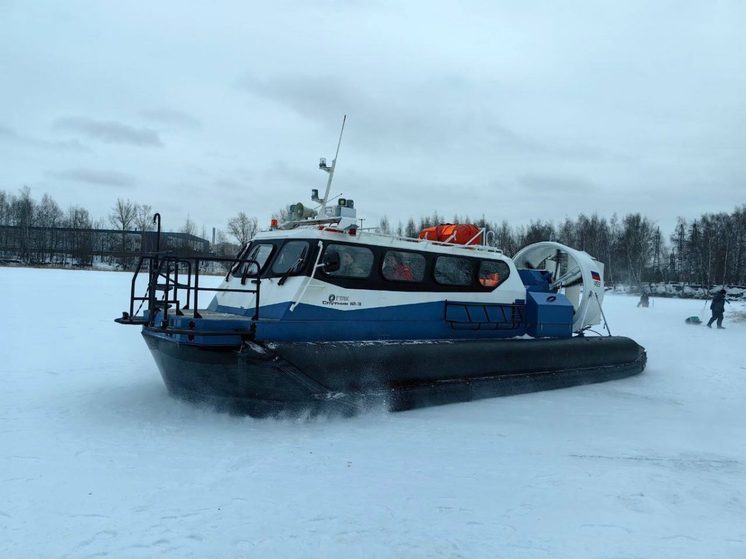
(349, 376)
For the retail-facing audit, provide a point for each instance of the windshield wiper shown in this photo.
(293, 268)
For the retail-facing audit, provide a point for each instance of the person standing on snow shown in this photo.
(718, 308)
(644, 300)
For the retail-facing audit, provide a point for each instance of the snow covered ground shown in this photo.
(96, 460)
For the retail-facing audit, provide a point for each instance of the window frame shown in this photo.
(239, 273)
(415, 281)
(469, 261)
(272, 260)
(335, 274)
(503, 277)
(375, 280)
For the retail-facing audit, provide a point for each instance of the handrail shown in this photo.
(168, 267)
(510, 321)
(426, 241)
(479, 234)
(299, 295)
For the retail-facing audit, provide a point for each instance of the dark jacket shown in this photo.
(718, 303)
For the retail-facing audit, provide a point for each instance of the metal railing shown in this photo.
(174, 281)
(434, 242)
(485, 316)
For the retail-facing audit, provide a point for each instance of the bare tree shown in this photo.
(537, 231)
(505, 239)
(4, 208)
(243, 228)
(636, 243)
(23, 208)
(411, 229)
(80, 238)
(22, 211)
(189, 227)
(49, 213)
(49, 216)
(143, 217)
(4, 220)
(123, 215)
(122, 218)
(738, 260)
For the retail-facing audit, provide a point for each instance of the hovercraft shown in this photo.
(317, 313)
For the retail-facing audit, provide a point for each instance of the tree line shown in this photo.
(708, 250)
(41, 232)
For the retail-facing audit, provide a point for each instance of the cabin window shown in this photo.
(354, 261)
(451, 270)
(291, 258)
(403, 266)
(492, 273)
(260, 252)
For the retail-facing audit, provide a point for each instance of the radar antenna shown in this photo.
(329, 169)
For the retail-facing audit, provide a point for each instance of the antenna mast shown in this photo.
(324, 167)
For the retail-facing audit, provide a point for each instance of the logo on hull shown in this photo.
(340, 301)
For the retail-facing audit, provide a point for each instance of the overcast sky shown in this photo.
(511, 110)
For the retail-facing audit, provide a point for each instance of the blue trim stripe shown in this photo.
(399, 322)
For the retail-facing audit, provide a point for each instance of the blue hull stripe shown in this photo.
(400, 322)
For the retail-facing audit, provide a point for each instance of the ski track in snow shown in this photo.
(97, 460)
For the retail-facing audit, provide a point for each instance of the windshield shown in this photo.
(259, 252)
(291, 258)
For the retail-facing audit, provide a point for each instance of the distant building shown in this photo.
(81, 247)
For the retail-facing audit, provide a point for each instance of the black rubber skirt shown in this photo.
(345, 377)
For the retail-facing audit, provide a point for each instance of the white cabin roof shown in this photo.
(371, 238)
